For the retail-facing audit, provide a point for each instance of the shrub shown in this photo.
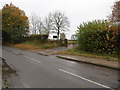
(5, 37)
(40, 38)
(96, 37)
(118, 43)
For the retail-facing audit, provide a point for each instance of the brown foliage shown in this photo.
(14, 23)
(115, 17)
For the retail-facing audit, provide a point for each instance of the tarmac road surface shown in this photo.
(37, 71)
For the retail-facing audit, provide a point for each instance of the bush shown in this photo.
(40, 38)
(5, 37)
(118, 43)
(96, 37)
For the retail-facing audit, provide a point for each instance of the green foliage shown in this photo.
(95, 37)
(6, 36)
(118, 43)
(14, 23)
(40, 38)
(71, 41)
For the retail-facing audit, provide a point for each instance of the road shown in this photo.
(37, 71)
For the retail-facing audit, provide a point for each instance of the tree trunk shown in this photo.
(58, 34)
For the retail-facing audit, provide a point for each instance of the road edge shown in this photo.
(87, 62)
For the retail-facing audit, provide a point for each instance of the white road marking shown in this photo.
(71, 62)
(25, 84)
(13, 52)
(32, 59)
(26, 57)
(84, 78)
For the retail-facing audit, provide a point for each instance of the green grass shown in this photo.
(76, 51)
(70, 42)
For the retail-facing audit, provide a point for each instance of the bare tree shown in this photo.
(60, 22)
(39, 25)
(35, 24)
(56, 21)
(47, 24)
(74, 37)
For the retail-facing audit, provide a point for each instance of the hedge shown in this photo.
(97, 37)
(41, 38)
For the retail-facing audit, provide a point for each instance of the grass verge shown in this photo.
(34, 45)
(76, 51)
(71, 41)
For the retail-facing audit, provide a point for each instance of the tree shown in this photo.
(74, 37)
(47, 24)
(60, 22)
(35, 24)
(39, 25)
(115, 17)
(14, 23)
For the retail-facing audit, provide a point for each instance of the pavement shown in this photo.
(48, 71)
(88, 60)
(93, 61)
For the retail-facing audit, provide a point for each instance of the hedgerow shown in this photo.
(97, 37)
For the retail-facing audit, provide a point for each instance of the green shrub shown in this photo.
(40, 38)
(96, 37)
(5, 37)
(118, 43)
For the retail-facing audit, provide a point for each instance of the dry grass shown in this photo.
(26, 46)
(35, 45)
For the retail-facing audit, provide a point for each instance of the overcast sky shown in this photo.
(77, 11)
